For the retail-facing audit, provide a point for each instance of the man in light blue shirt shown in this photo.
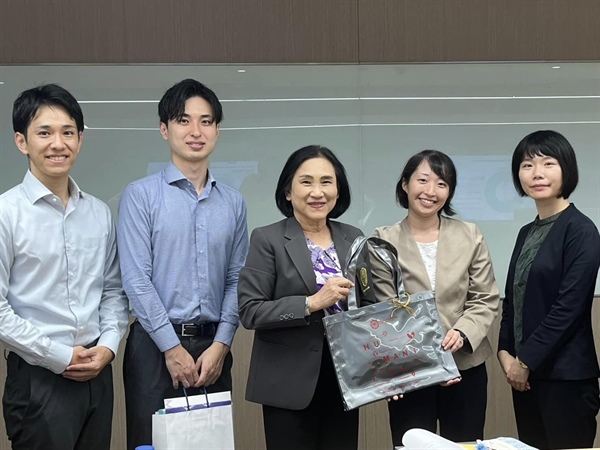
(182, 242)
(62, 307)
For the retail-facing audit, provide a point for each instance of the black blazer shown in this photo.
(558, 342)
(272, 288)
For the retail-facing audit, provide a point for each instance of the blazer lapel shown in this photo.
(298, 252)
(341, 242)
(445, 259)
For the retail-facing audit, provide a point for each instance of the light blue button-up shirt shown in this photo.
(181, 254)
(60, 285)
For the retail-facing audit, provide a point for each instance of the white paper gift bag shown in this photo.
(205, 423)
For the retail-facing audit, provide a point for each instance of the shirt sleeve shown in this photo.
(18, 334)
(483, 296)
(134, 239)
(229, 319)
(113, 309)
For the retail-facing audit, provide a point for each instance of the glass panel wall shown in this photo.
(373, 117)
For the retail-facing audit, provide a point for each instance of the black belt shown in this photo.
(196, 329)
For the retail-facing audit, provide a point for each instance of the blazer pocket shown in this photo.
(296, 339)
(271, 341)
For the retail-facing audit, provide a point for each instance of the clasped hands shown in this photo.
(516, 375)
(87, 363)
(202, 372)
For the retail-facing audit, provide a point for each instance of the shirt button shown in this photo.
(54, 199)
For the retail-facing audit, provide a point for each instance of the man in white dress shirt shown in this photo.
(62, 307)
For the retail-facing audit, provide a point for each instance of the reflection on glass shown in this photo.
(373, 117)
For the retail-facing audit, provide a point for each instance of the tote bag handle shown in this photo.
(386, 252)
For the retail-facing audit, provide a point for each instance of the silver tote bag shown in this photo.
(391, 347)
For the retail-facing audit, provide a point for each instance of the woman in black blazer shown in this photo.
(291, 279)
(546, 345)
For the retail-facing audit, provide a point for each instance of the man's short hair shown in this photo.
(294, 162)
(29, 102)
(547, 143)
(172, 104)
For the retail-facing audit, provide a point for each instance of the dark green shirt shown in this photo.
(536, 236)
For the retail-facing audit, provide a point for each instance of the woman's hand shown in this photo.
(516, 375)
(451, 382)
(334, 290)
(453, 341)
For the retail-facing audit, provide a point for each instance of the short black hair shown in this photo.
(29, 102)
(547, 143)
(290, 168)
(172, 104)
(442, 166)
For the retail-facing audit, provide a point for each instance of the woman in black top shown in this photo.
(546, 345)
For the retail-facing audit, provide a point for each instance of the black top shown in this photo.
(557, 309)
(534, 240)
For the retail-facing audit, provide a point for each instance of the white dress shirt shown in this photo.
(60, 283)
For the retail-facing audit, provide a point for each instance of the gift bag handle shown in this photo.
(388, 254)
(187, 400)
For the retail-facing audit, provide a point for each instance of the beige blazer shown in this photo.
(466, 292)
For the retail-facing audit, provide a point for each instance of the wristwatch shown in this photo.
(522, 364)
(463, 336)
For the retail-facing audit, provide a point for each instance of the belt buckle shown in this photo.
(185, 333)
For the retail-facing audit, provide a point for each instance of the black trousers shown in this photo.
(323, 425)
(557, 413)
(148, 382)
(460, 409)
(45, 411)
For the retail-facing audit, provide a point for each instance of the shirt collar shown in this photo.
(210, 182)
(172, 174)
(36, 190)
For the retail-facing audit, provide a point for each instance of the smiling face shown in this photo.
(192, 138)
(541, 178)
(52, 144)
(426, 191)
(313, 192)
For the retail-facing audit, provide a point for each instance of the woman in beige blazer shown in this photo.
(450, 257)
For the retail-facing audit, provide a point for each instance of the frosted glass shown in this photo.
(372, 117)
